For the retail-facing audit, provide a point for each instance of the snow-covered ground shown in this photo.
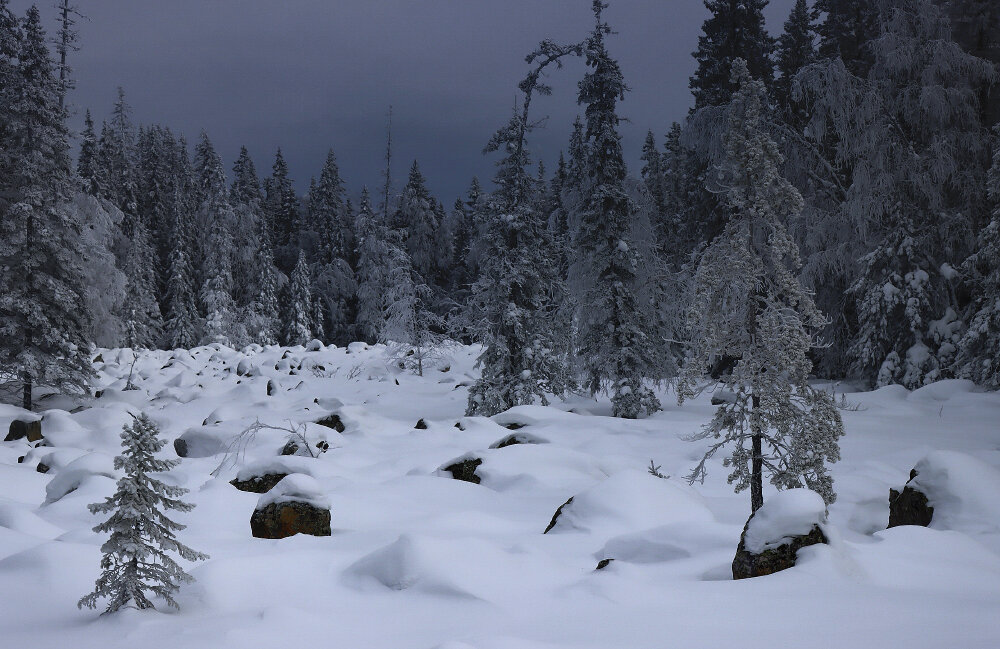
(420, 560)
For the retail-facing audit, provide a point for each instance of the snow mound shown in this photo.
(942, 390)
(17, 517)
(74, 473)
(786, 514)
(404, 564)
(296, 487)
(648, 546)
(289, 464)
(632, 500)
(963, 491)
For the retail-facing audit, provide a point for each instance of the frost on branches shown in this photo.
(750, 320)
(135, 560)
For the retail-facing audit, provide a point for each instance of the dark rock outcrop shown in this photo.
(42, 467)
(181, 447)
(32, 430)
(909, 506)
(555, 517)
(258, 484)
(332, 421)
(272, 387)
(291, 447)
(465, 470)
(772, 560)
(603, 563)
(421, 425)
(281, 520)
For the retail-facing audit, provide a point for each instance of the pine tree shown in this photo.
(524, 354)
(298, 312)
(734, 30)
(976, 28)
(846, 31)
(748, 306)
(332, 223)
(135, 560)
(86, 162)
(796, 49)
(215, 218)
(43, 324)
(618, 345)
(979, 349)
(281, 210)
(417, 219)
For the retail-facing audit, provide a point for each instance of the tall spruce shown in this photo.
(299, 309)
(796, 49)
(846, 32)
(281, 209)
(43, 322)
(749, 307)
(734, 30)
(619, 346)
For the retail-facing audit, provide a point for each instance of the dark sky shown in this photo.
(309, 75)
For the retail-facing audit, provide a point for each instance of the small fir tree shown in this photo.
(135, 560)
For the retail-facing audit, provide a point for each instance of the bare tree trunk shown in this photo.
(26, 398)
(756, 474)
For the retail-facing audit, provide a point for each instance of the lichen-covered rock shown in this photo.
(284, 519)
(32, 430)
(773, 535)
(909, 506)
(772, 560)
(465, 470)
(555, 517)
(258, 484)
(295, 505)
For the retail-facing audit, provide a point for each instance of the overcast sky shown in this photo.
(308, 75)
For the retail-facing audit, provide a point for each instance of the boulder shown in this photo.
(332, 421)
(291, 447)
(555, 517)
(258, 484)
(603, 563)
(465, 470)
(909, 506)
(19, 429)
(42, 467)
(180, 447)
(421, 425)
(281, 520)
(272, 387)
(773, 535)
(517, 438)
(295, 505)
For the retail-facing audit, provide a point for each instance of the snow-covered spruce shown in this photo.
(750, 322)
(135, 560)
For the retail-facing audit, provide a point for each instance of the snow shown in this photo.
(419, 560)
(785, 515)
(298, 488)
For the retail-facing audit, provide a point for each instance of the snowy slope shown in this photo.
(419, 560)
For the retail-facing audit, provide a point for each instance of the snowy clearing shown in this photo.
(420, 560)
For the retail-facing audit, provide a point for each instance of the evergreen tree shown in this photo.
(796, 49)
(513, 301)
(135, 560)
(281, 210)
(299, 310)
(618, 344)
(331, 221)
(976, 28)
(734, 30)
(86, 162)
(43, 324)
(246, 199)
(749, 306)
(116, 155)
(652, 172)
(846, 31)
(215, 220)
(181, 327)
(979, 349)
(141, 313)
(416, 217)
(373, 255)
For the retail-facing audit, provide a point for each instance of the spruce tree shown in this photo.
(86, 162)
(299, 310)
(135, 562)
(796, 49)
(417, 219)
(734, 30)
(619, 346)
(747, 305)
(43, 323)
(181, 327)
(652, 172)
(372, 254)
(846, 32)
(281, 210)
(140, 311)
(513, 301)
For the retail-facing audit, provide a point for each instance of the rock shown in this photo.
(332, 421)
(98, 394)
(421, 425)
(281, 520)
(555, 517)
(459, 425)
(909, 506)
(465, 470)
(517, 438)
(772, 560)
(181, 447)
(272, 387)
(99, 358)
(258, 484)
(723, 396)
(603, 563)
(42, 467)
(514, 426)
(32, 430)
(291, 447)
